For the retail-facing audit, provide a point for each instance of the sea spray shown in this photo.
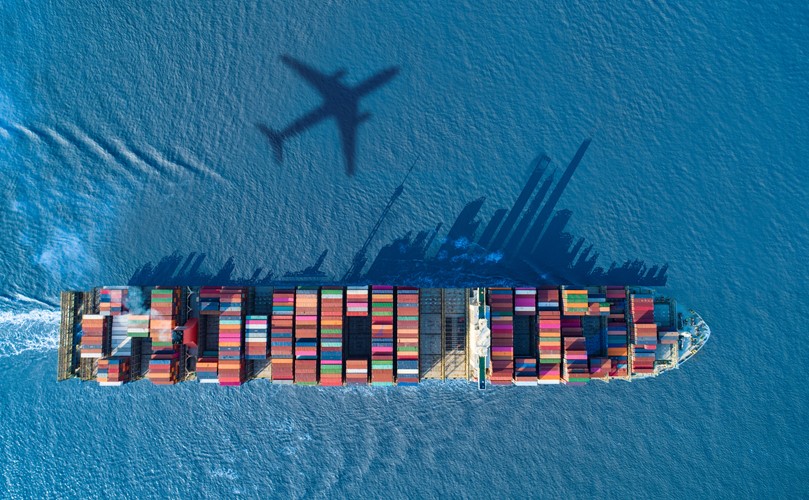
(35, 330)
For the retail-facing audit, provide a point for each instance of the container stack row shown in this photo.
(95, 335)
(331, 336)
(668, 338)
(207, 370)
(163, 367)
(617, 340)
(501, 302)
(644, 334)
(644, 348)
(549, 327)
(525, 303)
(642, 308)
(306, 335)
(138, 326)
(357, 372)
(597, 305)
(600, 368)
(357, 301)
(231, 351)
(574, 302)
(209, 300)
(525, 371)
(407, 336)
(120, 342)
(112, 301)
(113, 371)
(163, 363)
(576, 369)
(283, 310)
(255, 337)
(382, 335)
(163, 317)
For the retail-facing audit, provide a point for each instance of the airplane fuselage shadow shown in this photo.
(340, 102)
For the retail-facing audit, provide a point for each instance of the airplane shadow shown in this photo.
(340, 102)
(526, 244)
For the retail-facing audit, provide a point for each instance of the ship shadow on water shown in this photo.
(523, 245)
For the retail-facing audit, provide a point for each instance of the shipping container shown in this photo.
(382, 335)
(407, 336)
(357, 372)
(306, 316)
(357, 301)
(281, 335)
(331, 336)
(501, 302)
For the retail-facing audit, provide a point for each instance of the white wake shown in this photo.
(35, 330)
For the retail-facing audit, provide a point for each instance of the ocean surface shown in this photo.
(129, 151)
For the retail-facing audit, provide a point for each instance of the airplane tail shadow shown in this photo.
(276, 140)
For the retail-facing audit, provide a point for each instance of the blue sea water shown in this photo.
(128, 134)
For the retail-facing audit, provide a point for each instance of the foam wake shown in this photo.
(34, 330)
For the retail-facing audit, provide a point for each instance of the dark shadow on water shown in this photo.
(340, 101)
(527, 244)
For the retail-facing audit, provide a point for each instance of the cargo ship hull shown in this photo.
(373, 335)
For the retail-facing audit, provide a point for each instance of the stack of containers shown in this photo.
(642, 308)
(597, 305)
(574, 302)
(550, 336)
(209, 300)
(644, 334)
(407, 336)
(525, 371)
(95, 335)
(525, 301)
(283, 310)
(616, 293)
(357, 371)
(600, 368)
(668, 338)
(163, 317)
(357, 301)
(617, 341)
(231, 354)
(306, 336)
(576, 370)
(644, 349)
(255, 337)
(207, 370)
(501, 302)
(138, 326)
(120, 342)
(617, 348)
(112, 301)
(208, 363)
(163, 364)
(113, 371)
(382, 335)
(331, 336)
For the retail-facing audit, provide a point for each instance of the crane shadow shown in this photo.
(526, 244)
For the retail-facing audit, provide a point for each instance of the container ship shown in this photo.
(373, 335)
